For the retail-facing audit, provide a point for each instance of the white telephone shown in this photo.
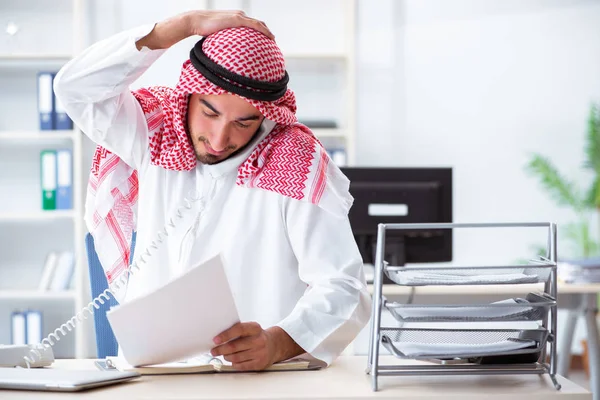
(41, 355)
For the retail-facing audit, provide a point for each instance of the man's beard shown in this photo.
(210, 159)
(207, 159)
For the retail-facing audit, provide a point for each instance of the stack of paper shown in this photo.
(419, 278)
(580, 271)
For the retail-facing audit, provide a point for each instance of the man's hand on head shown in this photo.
(202, 22)
(250, 348)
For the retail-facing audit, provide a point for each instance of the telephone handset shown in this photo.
(38, 355)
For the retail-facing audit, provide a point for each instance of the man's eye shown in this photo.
(209, 115)
(242, 125)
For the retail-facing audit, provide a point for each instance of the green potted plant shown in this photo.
(584, 203)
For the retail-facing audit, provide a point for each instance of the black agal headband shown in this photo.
(234, 83)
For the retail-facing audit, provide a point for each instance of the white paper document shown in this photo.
(465, 312)
(417, 278)
(450, 349)
(178, 320)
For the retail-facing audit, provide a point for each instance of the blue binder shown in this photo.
(62, 120)
(64, 174)
(45, 100)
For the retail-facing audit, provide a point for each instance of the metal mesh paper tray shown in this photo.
(420, 343)
(533, 308)
(493, 275)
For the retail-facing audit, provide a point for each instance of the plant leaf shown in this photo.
(592, 196)
(579, 234)
(561, 190)
(592, 142)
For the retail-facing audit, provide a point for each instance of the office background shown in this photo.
(469, 84)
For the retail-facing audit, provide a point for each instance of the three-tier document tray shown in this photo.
(467, 339)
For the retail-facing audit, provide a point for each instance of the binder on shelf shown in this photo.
(48, 179)
(33, 326)
(338, 156)
(48, 271)
(18, 328)
(62, 120)
(63, 272)
(319, 123)
(45, 100)
(64, 171)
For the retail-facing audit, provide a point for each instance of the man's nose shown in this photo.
(220, 138)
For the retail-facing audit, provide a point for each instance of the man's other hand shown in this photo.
(250, 348)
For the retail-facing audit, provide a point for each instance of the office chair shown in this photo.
(106, 343)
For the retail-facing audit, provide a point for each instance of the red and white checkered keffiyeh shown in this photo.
(289, 161)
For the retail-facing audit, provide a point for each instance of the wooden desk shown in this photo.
(345, 379)
(579, 300)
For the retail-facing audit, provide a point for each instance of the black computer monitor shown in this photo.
(402, 195)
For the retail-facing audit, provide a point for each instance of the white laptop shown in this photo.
(60, 380)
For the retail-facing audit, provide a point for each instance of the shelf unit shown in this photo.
(345, 135)
(35, 57)
(37, 216)
(38, 135)
(318, 61)
(37, 295)
(440, 341)
(20, 138)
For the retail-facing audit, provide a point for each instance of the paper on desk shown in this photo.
(178, 320)
(410, 349)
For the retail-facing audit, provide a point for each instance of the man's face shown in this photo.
(219, 125)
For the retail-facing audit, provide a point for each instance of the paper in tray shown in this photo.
(419, 278)
(414, 349)
(463, 312)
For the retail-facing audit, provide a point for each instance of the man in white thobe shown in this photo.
(222, 164)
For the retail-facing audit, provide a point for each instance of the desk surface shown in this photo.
(391, 289)
(345, 379)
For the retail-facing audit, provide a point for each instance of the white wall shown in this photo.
(478, 86)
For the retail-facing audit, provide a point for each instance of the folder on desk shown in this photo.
(48, 179)
(64, 171)
(18, 328)
(45, 100)
(204, 364)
